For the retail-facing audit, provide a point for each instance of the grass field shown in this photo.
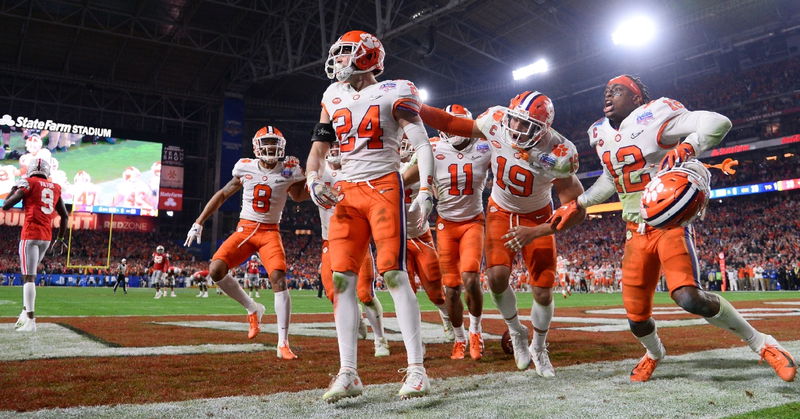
(71, 301)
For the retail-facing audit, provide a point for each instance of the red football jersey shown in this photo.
(160, 261)
(252, 267)
(200, 274)
(40, 199)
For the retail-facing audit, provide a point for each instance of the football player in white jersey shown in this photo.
(461, 166)
(33, 144)
(58, 176)
(563, 278)
(83, 191)
(133, 192)
(265, 182)
(421, 256)
(636, 139)
(366, 274)
(528, 159)
(369, 118)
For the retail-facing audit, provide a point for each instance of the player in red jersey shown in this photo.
(251, 275)
(42, 201)
(158, 273)
(202, 279)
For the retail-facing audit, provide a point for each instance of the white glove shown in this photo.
(422, 205)
(194, 233)
(321, 194)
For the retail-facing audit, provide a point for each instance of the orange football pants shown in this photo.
(366, 276)
(646, 256)
(539, 255)
(423, 261)
(374, 208)
(460, 248)
(251, 237)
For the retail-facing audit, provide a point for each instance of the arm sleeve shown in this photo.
(602, 189)
(440, 120)
(709, 127)
(424, 154)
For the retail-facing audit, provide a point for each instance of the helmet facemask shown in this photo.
(522, 130)
(269, 148)
(334, 155)
(406, 150)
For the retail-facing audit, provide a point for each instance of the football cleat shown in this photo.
(199, 295)
(415, 383)
(541, 361)
(644, 369)
(362, 328)
(255, 321)
(284, 352)
(447, 327)
(158, 295)
(459, 348)
(28, 326)
(258, 295)
(205, 294)
(778, 358)
(345, 384)
(173, 294)
(381, 348)
(475, 346)
(21, 319)
(522, 355)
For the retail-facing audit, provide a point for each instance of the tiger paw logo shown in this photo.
(560, 150)
(370, 41)
(652, 190)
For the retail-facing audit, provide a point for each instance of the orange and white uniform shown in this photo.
(371, 187)
(366, 274)
(423, 260)
(631, 157)
(458, 183)
(521, 195)
(264, 193)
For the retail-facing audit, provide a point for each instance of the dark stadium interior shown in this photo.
(164, 67)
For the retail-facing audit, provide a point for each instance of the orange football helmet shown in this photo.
(529, 117)
(461, 112)
(355, 52)
(269, 145)
(82, 177)
(677, 196)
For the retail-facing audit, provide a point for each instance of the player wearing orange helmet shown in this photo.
(266, 181)
(368, 118)
(528, 159)
(646, 147)
(461, 166)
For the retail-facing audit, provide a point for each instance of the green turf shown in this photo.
(72, 301)
(103, 161)
(791, 410)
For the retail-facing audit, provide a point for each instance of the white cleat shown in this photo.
(415, 383)
(158, 295)
(173, 294)
(29, 326)
(522, 355)
(447, 327)
(258, 295)
(205, 294)
(198, 295)
(21, 319)
(381, 348)
(345, 384)
(541, 361)
(362, 328)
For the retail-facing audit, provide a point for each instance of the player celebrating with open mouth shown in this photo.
(528, 159)
(638, 141)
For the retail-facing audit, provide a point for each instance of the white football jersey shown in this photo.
(410, 193)
(369, 136)
(134, 194)
(631, 155)
(84, 194)
(330, 177)
(524, 186)
(459, 178)
(264, 191)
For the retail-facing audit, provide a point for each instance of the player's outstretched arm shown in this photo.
(216, 201)
(703, 131)
(298, 192)
(13, 198)
(574, 211)
(440, 120)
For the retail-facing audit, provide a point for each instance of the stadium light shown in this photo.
(539, 66)
(424, 95)
(634, 31)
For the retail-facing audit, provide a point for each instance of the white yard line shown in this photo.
(713, 383)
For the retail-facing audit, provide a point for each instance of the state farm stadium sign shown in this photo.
(23, 122)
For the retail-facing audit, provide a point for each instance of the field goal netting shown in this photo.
(89, 241)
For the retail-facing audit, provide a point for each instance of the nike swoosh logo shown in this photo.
(633, 136)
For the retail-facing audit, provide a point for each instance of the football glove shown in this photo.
(422, 204)
(321, 194)
(194, 234)
(684, 151)
(566, 216)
